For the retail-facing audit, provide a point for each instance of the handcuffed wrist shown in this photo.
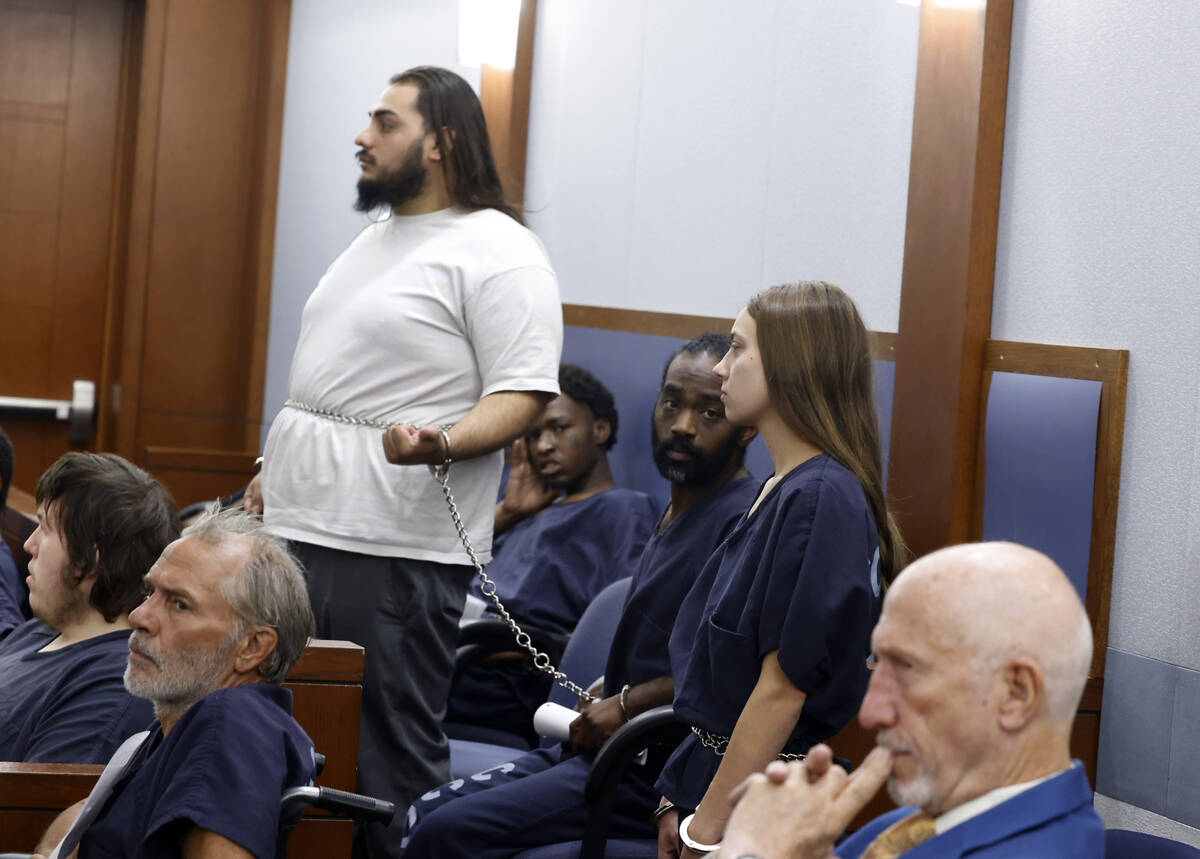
(444, 429)
(690, 843)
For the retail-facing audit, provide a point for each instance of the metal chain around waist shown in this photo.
(720, 744)
(441, 473)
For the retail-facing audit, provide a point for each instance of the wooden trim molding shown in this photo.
(1110, 367)
(504, 95)
(883, 343)
(274, 20)
(949, 262)
(198, 459)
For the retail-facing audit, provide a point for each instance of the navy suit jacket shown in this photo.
(1054, 820)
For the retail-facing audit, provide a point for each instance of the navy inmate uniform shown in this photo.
(801, 576)
(538, 799)
(223, 768)
(12, 594)
(547, 569)
(67, 705)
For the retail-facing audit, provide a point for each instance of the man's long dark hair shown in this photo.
(451, 110)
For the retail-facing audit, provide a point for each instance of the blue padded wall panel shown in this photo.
(631, 365)
(1135, 730)
(1183, 779)
(1040, 463)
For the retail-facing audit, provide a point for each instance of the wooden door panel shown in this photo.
(26, 333)
(139, 144)
(205, 169)
(35, 51)
(32, 147)
(26, 262)
(60, 86)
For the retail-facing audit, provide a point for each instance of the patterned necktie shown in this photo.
(900, 837)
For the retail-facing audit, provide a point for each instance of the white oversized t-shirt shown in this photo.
(416, 321)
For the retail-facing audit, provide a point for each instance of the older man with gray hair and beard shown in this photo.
(982, 654)
(225, 617)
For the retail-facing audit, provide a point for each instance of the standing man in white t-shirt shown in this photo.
(445, 312)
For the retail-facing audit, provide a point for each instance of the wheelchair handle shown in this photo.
(342, 802)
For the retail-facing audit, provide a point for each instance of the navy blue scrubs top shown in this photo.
(68, 705)
(223, 768)
(799, 576)
(548, 567)
(11, 591)
(670, 563)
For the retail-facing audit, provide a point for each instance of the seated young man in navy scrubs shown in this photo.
(564, 533)
(226, 615)
(538, 799)
(11, 592)
(101, 524)
(973, 719)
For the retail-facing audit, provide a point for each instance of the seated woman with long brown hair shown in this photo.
(785, 607)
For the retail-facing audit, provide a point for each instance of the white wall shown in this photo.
(1098, 246)
(340, 56)
(685, 153)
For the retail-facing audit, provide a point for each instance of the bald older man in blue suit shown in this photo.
(983, 651)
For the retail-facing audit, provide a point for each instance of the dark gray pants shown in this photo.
(405, 614)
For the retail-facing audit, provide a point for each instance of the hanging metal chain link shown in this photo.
(541, 660)
(719, 743)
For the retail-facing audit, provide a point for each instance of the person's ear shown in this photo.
(443, 143)
(1022, 688)
(745, 436)
(258, 644)
(601, 431)
(86, 579)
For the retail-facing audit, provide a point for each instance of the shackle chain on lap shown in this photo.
(487, 586)
(720, 744)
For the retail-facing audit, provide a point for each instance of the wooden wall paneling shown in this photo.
(193, 349)
(268, 118)
(321, 838)
(949, 260)
(108, 386)
(193, 474)
(85, 215)
(141, 225)
(202, 218)
(1110, 367)
(59, 89)
(504, 94)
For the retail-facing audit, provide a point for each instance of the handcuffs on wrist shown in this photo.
(695, 846)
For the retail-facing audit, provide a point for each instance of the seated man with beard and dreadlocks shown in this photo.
(539, 800)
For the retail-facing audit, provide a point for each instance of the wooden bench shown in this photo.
(326, 687)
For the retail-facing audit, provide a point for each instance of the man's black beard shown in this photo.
(394, 187)
(703, 467)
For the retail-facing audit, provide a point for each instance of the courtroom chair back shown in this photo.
(1126, 844)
